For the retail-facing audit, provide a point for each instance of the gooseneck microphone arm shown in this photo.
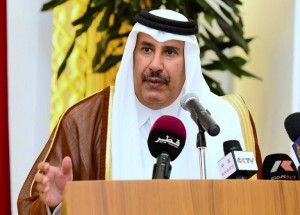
(201, 145)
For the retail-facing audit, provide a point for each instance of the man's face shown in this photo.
(159, 71)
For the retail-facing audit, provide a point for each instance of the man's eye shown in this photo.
(147, 49)
(170, 52)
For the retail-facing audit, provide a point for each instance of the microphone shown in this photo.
(292, 127)
(236, 164)
(199, 114)
(166, 140)
(279, 167)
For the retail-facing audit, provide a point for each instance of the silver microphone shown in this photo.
(199, 114)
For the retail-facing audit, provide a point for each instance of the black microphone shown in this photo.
(199, 114)
(279, 167)
(236, 164)
(166, 140)
(292, 127)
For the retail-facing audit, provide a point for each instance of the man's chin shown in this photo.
(155, 102)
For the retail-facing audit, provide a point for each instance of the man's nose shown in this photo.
(156, 63)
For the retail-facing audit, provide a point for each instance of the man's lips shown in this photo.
(155, 82)
(155, 78)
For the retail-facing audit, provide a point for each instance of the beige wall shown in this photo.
(273, 52)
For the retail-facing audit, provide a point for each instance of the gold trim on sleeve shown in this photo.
(108, 156)
(243, 112)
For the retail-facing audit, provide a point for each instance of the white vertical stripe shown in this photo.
(296, 60)
(29, 77)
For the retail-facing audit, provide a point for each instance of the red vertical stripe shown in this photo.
(5, 208)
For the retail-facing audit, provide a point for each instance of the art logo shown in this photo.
(172, 141)
(285, 164)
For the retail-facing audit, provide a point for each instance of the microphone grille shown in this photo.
(231, 145)
(186, 98)
(292, 126)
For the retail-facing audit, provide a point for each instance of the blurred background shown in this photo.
(274, 56)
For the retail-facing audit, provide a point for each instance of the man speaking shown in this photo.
(104, 136)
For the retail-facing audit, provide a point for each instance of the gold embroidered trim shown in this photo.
(54, 136)
(51, 144)
(108, 158)
(238, 103)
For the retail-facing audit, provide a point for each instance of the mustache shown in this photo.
(157, 75)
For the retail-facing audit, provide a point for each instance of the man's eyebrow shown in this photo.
(173, 47)
(146, 43)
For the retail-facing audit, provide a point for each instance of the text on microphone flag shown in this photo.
(169, 140)
(242, 161)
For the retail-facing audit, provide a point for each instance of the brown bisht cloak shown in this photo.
(81, 134)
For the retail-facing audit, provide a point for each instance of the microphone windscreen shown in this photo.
(279, 167)
(186, 98)
(292, 126)
(231, 145)
(167, 135)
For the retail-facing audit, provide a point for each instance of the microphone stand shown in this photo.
(201, 145)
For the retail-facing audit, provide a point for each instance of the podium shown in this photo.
(181, 197)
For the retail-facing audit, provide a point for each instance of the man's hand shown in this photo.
(51, 181)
